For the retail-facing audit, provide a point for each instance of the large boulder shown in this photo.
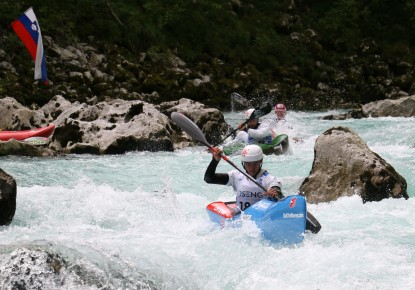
(113, 127)
(14, 116)
(116, 126)
(402, 107)
(45, 265)
(344, 166)
(13, 147)
(8, 194)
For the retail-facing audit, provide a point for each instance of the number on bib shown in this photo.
(244, 206)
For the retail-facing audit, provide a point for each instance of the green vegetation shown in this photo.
(251, 46)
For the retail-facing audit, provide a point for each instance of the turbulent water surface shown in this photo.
(139, 221)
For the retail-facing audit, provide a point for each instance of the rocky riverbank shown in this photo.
(112, 127)
(81, 71)
(119, 126)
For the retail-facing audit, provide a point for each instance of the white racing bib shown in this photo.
(247, 192)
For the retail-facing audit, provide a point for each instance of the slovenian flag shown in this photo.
(28, 30)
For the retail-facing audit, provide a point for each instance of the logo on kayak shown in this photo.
(293, 202)
(292, 215)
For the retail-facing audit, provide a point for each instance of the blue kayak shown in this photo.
(282, 221)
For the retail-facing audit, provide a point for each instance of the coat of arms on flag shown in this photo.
(27, 29)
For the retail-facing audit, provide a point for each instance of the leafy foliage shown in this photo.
(268, 41)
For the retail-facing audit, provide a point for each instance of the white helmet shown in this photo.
(251, 153)
(248, 113)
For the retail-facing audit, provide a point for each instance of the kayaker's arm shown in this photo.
(212, 177)
(260, 132)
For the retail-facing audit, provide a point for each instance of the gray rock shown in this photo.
(344, 166)
(8, 66)
(352, 114)
(112, 127)
(14, 116)
(13, 147)
(8, 193)
(402, 107)
(96, 59)
(42, 265)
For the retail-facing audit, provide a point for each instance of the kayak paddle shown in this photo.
(240, 100)
(259, 112)
(194, 131)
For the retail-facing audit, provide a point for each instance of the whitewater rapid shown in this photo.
(138, 221)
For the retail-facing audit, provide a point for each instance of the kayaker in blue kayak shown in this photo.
(252, 131)
(247, 192)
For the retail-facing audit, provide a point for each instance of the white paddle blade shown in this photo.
(240, 100)
(189, 127)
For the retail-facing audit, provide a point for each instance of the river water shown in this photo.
(139, 221)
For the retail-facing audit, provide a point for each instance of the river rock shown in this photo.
(344, 166)
(13, 147)
(48, 266)
(8, 194)
(401, 107)
(14, 116)
(112, 127)
(119, 126)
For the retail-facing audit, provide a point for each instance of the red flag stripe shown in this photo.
(25, 37)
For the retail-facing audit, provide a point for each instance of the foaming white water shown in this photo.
(141, 217)
(168, 236)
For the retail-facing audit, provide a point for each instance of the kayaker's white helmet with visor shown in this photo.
(248, 113)
(252, 153)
